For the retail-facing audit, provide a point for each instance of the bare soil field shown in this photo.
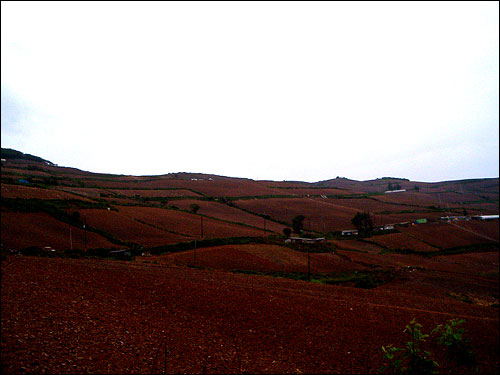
(188, 224)
(21, 230)
(216, 188)
(27, 192)
(225, 212)
(295, 190)
(87, 192)
(155, 193)
(321, 216)
(87, 316)
(242, 308)
(446, 235)
(401, 241)
(125, 228)
(257, 257)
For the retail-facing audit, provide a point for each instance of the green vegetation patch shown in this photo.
(475, 248)
(357, 279)
(183, 246)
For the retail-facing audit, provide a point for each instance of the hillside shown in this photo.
(148, 211)
(204, 281)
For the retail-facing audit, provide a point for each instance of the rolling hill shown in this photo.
(192, 273)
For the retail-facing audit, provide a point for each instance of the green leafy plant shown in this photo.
(412, 359)
(458, 347)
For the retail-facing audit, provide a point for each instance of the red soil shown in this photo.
(73, 316)
(26, 192)
(155, 193)
(188, 224)
(270, 258)
(225, 212)
(445, 235)
(320, 215)
(20, 230)
(125, 228)
(401, 241)
(88, 192)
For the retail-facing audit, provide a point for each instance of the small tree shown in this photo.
(193, 207)
(287, 232)
(298, 223)
(363, 223)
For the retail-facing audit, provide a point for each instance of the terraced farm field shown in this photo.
(321, 216)
(22, 230)
(219, 290)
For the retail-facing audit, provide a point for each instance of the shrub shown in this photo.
(458, 347)
(193, 207)
(413, 359)
(298, 223)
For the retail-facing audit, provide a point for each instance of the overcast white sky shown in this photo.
(284, 91)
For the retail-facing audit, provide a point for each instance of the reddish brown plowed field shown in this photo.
(355, 245)
(74, 316)
(220, 187)
(320, 216)
(188, 224)
(125, 228)
(264, 258)
(155, 193)
(401, 241)
(445, 235)
(363, 204)
(19, 173)
(225, 212)
(473, 275)
(20, 230)
(89, 192)
(305, 191)
(27, 192)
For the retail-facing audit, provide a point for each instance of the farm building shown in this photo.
(485, 217)
(351, 232)
(121, 254)
(305, 240)
(394, 191)
(454, 218)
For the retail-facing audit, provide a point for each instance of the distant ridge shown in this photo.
(339, 182)
(8, 153)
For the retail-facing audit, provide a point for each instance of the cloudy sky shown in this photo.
(283, 91)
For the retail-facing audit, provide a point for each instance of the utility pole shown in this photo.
(264, 224)
(308, 265)
(194, 254)
(85, 230)
(70, 239)
(201, 217)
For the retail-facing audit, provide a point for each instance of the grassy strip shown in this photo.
(183, 246)
(475, 248)
(319, 247)
(358, 279)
